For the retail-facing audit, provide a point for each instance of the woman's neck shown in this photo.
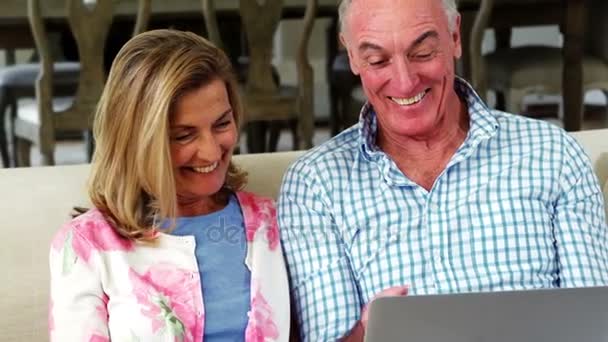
(200, 206)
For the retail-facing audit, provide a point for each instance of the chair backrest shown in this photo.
(144, 8)
(260, 22)
(597, 29)
(306, 100)
(90, 27)
(502, 15)
(213, 31)
(477, 33)
(90, 24)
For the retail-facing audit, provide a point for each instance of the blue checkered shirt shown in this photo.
(517, 207)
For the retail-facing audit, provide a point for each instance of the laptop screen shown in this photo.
(556, 315)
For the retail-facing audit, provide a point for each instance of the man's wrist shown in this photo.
(356, 334)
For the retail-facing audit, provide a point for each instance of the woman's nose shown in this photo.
(208, 148)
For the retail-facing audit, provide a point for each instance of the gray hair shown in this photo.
(449, 7)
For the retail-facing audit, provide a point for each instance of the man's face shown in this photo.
(404, 52)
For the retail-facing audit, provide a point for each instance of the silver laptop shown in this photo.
(554, 315)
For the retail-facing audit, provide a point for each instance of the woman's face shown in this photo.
(202, 135)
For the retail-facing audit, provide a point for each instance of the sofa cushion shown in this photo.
(37, 202)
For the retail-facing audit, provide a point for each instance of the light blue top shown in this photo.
(517, 207)
(221, 247)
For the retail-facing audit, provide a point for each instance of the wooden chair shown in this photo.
(40, 122)
(211, 25)
(342, 83)
(265, 100)
(17, 82)
(514, 72)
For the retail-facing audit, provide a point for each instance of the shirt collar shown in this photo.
(483, 123)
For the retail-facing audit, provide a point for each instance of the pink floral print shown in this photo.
(86, 234)
(169, 299)
(260, 214)
(102, 309)
(98, 338)
(166, 296)
(261, 325)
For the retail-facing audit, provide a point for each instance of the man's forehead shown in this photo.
(375, 12)
(387, 18)
(374, 46)
(397, 9)
(404, 4)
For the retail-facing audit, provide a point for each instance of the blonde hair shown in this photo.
(132, 180)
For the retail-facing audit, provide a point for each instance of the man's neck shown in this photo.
(422, 159)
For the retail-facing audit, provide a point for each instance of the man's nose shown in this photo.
(404, 76)
(208, 148)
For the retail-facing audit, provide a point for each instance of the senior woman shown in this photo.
(173, 250)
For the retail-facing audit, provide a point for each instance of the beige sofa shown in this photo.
(36, 201)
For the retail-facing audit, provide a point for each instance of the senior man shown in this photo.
(432, 191)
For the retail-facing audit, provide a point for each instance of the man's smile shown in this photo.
(408, 101)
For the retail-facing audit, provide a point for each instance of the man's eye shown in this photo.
(376, 62)
(423, 56)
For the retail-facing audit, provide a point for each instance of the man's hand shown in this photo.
(390, 292)
(358, 332)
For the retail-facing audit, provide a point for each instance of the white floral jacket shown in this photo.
(106, 287)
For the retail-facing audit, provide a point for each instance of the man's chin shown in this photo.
(418, 126)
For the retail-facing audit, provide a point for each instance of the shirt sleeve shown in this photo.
(325, 293)
(78, 305)
(581, 234)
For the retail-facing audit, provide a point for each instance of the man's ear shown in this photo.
(353, 67)
(456, 38)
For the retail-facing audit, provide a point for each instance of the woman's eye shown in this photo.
(181, 137)
(223, 124)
